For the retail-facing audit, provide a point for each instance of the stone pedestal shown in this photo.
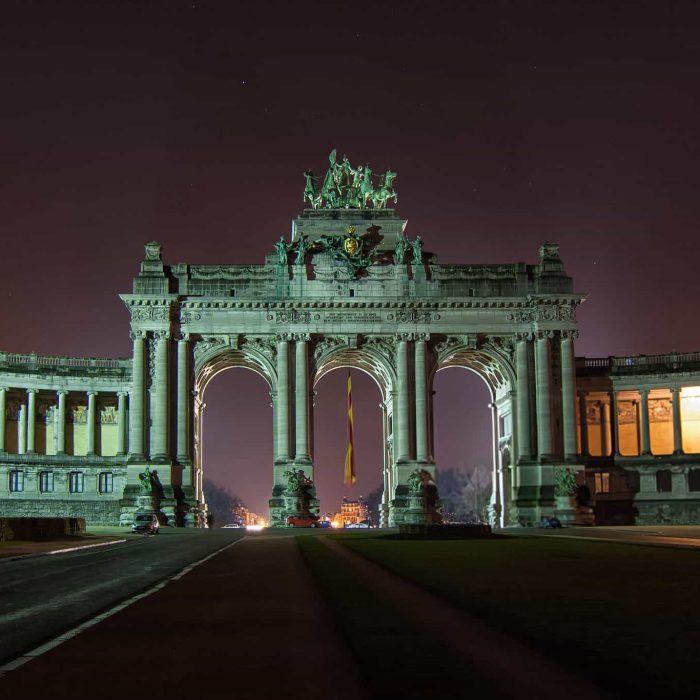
(571, 513)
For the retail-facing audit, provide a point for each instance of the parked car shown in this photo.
(325, 523)
(550, 521)
(360, 524)
(310, 520)
(231, 525)
(146, 523)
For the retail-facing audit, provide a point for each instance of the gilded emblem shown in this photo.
(350, 246)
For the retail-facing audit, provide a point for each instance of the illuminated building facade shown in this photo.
(351, 512)
(350, 290)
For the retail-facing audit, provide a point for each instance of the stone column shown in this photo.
(604, 419)
(3, 416)
(497, 498)
(544, 398)
(61, 423)
(523, 405)
(91, 422)
(121, 422)
(282, 398)
(677, 427)
(568, 394)
(583, 416)
(136, 398)
(646, 436)
(22, 430)
(615, 424)
(421, 402)
(31, 419)
(402, 426)
(183, 394)
(159, 449)
(301, 396)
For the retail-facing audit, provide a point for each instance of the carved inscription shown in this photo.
(357, 317)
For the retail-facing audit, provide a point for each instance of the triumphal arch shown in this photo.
(350, 287)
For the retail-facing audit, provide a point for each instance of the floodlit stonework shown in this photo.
(350, 290)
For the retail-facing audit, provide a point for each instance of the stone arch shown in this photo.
(213, 355)
(491, 361)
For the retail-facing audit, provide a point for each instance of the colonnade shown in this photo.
(533, 360)
(608, 404)
(27, 419)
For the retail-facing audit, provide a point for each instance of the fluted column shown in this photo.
(22, 430)
(282, 398)
(523, 399)
(583, 417)
(301, 396)
(91, 422)
(31, 419)
(421, 402)
(677, 427)
(159, 448)
(544, 398)
(568, 394)
(3, 416)
(615, 424)
(604, 422)
(646, 436)
(61, 422)
(183, 407)
(121, 422)
(403, 423)
(136, 397)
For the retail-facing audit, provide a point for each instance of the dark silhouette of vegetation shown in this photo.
(221, 502)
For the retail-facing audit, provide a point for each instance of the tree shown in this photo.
(373, 502)
(221, 502)
(465, 496)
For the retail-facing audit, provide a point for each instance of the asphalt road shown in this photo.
(44, 596)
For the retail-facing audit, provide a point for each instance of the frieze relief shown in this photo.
(150, 313)
(327, 345)
(203, 346)
(544, 312)
(445, 348)
(382, 344)
(187, 316)
(290, 316)
(265, 345)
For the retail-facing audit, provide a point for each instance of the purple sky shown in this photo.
(192, 122)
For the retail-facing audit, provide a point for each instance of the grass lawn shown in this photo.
(394, 655)
(625, 617)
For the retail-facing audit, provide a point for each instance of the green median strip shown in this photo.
(397, 657)
(624, 617)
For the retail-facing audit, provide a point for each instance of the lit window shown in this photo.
(45, 482)
(76, 482)
(16, 480)
(106, 482)
(602, 482)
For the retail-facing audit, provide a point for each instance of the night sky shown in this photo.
(509, 123)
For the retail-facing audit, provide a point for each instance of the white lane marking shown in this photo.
(61, 551)
(56, 641)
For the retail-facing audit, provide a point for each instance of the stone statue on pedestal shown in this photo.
(282, 249)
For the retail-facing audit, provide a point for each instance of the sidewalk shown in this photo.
(246, 624)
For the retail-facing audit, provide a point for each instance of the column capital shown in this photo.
(122, 393)
(92, 392)
(302, 337)
(523, 337)
(32, 391)
(183, 337)
(161, 335)
(569, 335)
(422, 337)
(283, 337)
(544, 335)
(404, 337)
(62, 392)
(137, 335)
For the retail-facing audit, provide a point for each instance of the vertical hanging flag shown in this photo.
(350, 477)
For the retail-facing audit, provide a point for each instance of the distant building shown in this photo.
(352, 512)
